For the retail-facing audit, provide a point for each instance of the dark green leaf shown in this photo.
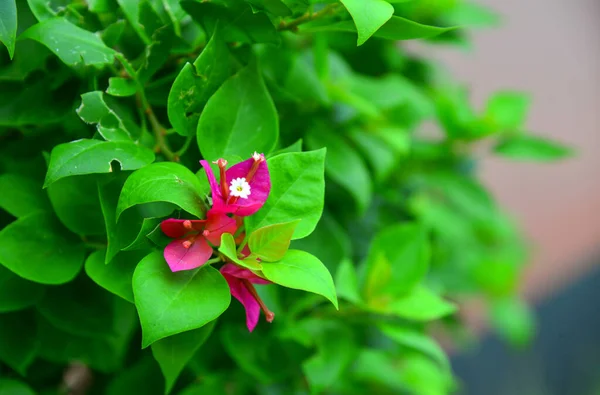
(532, 148)
(240, 118)
(76, 205)
(16, 293)
(271, 243)
(301, 270)
(196, 83)
(20, 341)
(171, 303)
(114, 123)
(8, 25)
(81, 308)
(22, 195)
(368, 15)
(238, 20)
(70, 43)
(95, 156)
(297, 192)
(115, 277)
(38, 248)
(14, 387)
(142, 377)
(174, 352)
(163, 182)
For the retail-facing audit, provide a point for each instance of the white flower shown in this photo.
(239, 188)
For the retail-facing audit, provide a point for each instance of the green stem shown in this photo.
(214, 260)
(185, 146)
(307, 17)
(159, 131)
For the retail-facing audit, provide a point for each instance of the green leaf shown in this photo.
(507, 110)
(240, 23)
(396, 28)
(141, 240)
(368, 15)
(20, 341)
(70, 43)
(95, 156)
(174, 352)
(297, 192)
(38, 248)
(301, 270)
(14, 387)
(22, 195)
(239, 118)
(346, 282)
(421, 304)
(196, 83)
(416, 340)
(115, 277)
(405, 249)
(142, 377)
(80, 308)
(275, 7)
(344, 165)
(16, 293)
(228, 249)
(122, 87)
(77, 207)
(170, 303)
(8, 25)
(163, 182)
(513, 320)
(114, 122)
(131, 9)
(532, 148)
(271, 243)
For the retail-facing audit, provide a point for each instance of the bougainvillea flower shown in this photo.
(243, 188)
(191, 249)
(241, 282)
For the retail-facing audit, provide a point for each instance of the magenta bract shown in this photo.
(242, 189)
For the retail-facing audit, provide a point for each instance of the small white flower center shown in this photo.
(239, 187)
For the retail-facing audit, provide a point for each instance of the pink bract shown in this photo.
(254, 171)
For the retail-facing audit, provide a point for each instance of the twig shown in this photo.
(307, 17)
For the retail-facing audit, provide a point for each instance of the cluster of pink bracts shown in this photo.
(241, 191)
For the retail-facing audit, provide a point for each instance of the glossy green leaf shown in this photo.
(131, 9)
(405, 250)
(95, 156)
(72, 44)
(396, 28)
(22, 195)
(344, 165)
(114, 122)
(197, 82)
(122, 87)
(16, 293)
(76, 205)
(8, 25)
(89, 314)
(14, 387)
(368, 15)
(228, 249)
(297, 192)
(174, 352)
(38, 248)
(115, 277)
(171, 303)
(164, 182)
(301, 270)
(421, 304)
(141, 240)
(240, 118)
(20, 341)
(532, 148)
(272, 242)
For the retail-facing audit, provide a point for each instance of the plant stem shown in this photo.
(307, 17)
(214, 260)
(159, 131)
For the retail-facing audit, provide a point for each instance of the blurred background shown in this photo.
(551, 50)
